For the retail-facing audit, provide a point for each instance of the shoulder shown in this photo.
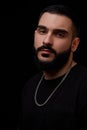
(78, 76)
(83, 68)
(80, 70)
(34, 79)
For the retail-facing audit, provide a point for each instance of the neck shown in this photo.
(55, 74)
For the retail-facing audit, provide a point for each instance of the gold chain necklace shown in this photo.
(35, 96)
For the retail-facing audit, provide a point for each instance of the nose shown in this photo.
(48, 39)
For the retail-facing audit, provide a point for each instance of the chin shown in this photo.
(45, 60)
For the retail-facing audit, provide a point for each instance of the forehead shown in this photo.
(54, 21)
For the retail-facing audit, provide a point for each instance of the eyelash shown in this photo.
(57, 34)
(41, 31)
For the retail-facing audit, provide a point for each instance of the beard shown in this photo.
(57, 63)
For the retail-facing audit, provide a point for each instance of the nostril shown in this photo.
(47, 43)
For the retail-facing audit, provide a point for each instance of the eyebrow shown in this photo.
(54, 30)
(61, 31)
(41, 26)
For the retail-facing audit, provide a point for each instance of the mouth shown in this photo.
(46, 51)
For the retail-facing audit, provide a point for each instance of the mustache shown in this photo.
(46, 47)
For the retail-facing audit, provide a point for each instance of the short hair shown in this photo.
(64, 10)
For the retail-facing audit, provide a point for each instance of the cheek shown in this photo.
(37, 41)
(62, 46)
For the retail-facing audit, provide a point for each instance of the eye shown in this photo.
(59, 34)
(41, 31)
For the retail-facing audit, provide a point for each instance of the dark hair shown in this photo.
(64, 10)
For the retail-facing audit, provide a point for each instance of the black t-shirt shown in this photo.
(66, 109)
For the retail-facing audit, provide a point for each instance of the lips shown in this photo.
(47, 51)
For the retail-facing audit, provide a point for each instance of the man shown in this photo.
(56, 98)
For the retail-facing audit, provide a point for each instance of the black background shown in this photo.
(18, 21)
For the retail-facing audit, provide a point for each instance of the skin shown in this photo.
(57, 32)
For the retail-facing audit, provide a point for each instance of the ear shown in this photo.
(75, 43)
(34, 32)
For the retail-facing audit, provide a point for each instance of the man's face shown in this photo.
(53, 39)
